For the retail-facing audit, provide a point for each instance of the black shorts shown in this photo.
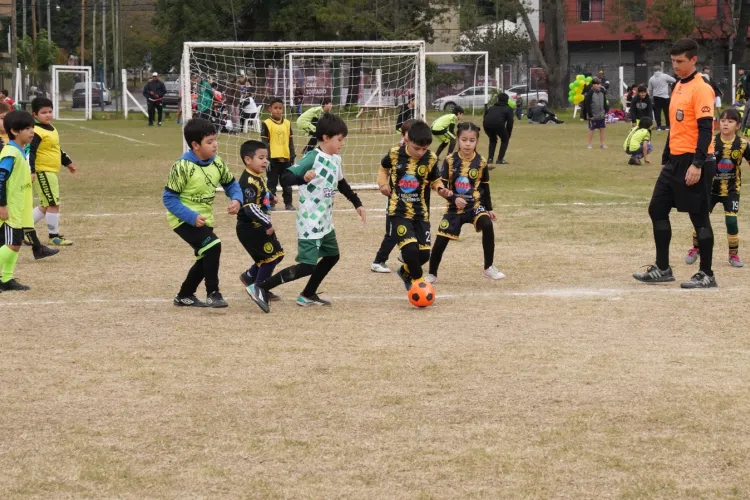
(200, 238)
(261, 247)
(10, 236)
(450, 226)
(671, 188)
(410, 231)
(731, 203)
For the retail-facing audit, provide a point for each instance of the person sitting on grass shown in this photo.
(638, 143)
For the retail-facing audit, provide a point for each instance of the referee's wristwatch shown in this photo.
(698, 164)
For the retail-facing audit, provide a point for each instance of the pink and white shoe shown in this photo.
(692, 255)
(734, 261)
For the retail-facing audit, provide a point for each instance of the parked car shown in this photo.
(473, 97)
(97, 89)
(525, 94)
(172, 97)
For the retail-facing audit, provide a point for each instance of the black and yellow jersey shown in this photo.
(729, 155)
(45, 153)
(468, 179)
(256, 201)
(410, 181)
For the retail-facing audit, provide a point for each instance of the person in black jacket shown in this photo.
(541, 114)
(406, 113)
(640, 106)
(154, 92)
(498, 122)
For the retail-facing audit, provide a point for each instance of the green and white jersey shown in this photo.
(196, 186)
(315, 212)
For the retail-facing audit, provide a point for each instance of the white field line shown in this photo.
(110, 134)
(558, 293)
(607, 193)
(377, 210)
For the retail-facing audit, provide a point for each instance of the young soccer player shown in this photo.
(307, 121)
(254, 228)
(276, 133)
(730, 150)
(45, 158)
(16, 200)
(638, 143)
(595, 108)
(467, 175)
(444, 130)
(40, 251)
(389, 240)
(189, 197)
(405, 176)
(321, 175)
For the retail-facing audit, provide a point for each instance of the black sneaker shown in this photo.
(700, 280)
(503, 162)
(404, 277)
(44, 251)
(312, 300)
(655, 275)
(13, 286)
(259, 297)
(215, 300)
(245, 279)
(289, 206)
(189, 301)
(633, 161)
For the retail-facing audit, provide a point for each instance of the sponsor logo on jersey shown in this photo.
(408, 183)
(725, 165)
(473, 173)
(462, 185)
(401, 230)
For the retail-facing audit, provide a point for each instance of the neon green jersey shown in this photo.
(20, 201)
(196, 186)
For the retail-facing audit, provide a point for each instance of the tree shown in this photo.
(37, 55)
(554, 58)
(672, 18)
(502, 45)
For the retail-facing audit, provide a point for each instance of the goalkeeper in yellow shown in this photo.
(444, 130)
(308, 121)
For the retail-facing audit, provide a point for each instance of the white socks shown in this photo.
(38, 215)
(53, 223)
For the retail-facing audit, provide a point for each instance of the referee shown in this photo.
(688, 166)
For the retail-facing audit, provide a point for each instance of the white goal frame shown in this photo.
(486, 68)
(88, 81)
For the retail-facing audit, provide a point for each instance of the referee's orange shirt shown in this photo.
(690, 102)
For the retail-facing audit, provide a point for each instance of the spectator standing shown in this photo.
(154, 91)
(658, 89)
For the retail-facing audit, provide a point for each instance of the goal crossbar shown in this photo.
(88, 90)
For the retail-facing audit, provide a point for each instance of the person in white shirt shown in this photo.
(658, 89)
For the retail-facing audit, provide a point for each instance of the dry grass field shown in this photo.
(568, 379)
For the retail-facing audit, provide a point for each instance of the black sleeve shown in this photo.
(705, 136)
(65, 159)
(633, 111)
(650, 108)
(665, 155)
(288, 178)
(4, 175)
(32, 151)
(265, 136)
(486, 198)
(145, 91)
(346, 190)
(452, 128)
(585, 110)
(292, 154)
(509, 124)
(386, 162)
(746, 154)
(255, 213)
(162, 89)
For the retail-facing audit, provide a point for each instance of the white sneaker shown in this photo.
(603, 146)
(493, 273)
(430, 278)
(588, 146)
(379, 267)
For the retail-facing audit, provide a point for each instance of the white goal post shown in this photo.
(368, 82)
(57, 70)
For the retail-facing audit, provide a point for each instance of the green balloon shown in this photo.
(572, 85)
(580, 77)
(570, 99)
(588, 79)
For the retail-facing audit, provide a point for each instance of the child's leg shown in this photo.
(211, 259)
(252, 273)
(451, 146)
(484, 224)
(601, 136)
(39, 213)
(443, 143)
(207, 248)
(193, 280)
(265, 270)
(310, 145)
(321, 271)
(286, 191)
(441, 243)
(286, 275)
(273, 177)
(733, 230)
(53, 221)
(413, 261)
(590, 137)
(386, 247)
(11, 240)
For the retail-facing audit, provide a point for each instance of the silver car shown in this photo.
(473, 97)
(525, 94)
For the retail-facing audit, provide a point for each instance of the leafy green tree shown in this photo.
(37, 56)
(672, 18)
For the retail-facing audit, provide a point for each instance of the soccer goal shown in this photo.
(72, 82)
(467, 82)
(232, 83)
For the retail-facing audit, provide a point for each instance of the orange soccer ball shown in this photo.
(421, 294)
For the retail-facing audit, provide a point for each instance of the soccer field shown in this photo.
(567, 379)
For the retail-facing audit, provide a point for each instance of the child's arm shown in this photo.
(171, 200)
(6, 168)
(299, 174)
(645, 152)
(35, 142)
(67, 162)
(231, 189)
(255, 213)
(265, 136)
(384, 172)
(345, 189)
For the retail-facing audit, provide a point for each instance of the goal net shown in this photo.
(72, 92)
(368, 83)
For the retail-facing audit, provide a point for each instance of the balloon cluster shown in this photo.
(575, 96)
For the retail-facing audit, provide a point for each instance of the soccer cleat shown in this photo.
(189, 301)
(259, 297)
(289, 206)
(215, 300)
(13, 286)
(734, 261)
(655, 275)
(430, 278)
(44, 251)
(588, 146)
(313, 300)
(692, 255)
(493, 273)
(60, 241)
(379, 267)
(700, 280)
(404, 277)
(245, 279)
